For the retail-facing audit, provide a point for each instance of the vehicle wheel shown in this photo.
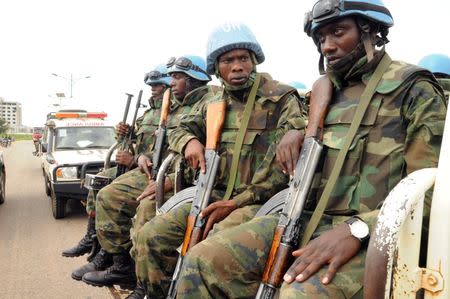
(58, 205)
(3, 188)
(47, 186)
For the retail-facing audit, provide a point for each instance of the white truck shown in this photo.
(75, 143)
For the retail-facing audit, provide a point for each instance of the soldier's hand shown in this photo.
(150, 191)
(125, 158)
(194, 153)
(334, 247)
(288, 150)
(122, 129)
(145, 164)
(216, 212)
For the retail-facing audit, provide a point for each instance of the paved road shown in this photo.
(31, 240)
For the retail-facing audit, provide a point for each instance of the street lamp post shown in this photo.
(71, 80)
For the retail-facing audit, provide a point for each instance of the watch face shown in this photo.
(359, 229)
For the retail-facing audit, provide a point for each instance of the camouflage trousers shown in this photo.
(157, 243)
(116, 206)
(90, 200)
(230, 264)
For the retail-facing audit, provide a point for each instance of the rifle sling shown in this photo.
(240, 136)
(366, 96)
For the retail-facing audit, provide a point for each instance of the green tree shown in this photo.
(3, 126)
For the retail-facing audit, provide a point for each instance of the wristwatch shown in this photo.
(358, 228)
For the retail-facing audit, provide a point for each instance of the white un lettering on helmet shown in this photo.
(231, 26)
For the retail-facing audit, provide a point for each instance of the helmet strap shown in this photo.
(321, 65)
(366, 37)
(367, 41)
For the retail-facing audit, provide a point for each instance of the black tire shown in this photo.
(3, 187)
(58, 205)
(48, 190)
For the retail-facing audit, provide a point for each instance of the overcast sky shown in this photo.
(116, 42)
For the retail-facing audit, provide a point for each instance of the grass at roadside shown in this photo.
(18, 137)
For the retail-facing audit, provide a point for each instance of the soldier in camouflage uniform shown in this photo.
(233, 56)
(400, 133)
(116, 204)
(439, 65)
(146, 126)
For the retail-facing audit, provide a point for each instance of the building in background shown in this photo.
(11, 112)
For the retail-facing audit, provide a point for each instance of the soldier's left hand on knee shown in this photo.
(216, 212)
(149, 191)
(334, 247)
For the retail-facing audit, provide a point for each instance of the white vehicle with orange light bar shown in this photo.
(75, 142)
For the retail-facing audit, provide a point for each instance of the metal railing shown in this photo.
(392, 262)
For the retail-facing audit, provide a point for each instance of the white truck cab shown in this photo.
(75, 142)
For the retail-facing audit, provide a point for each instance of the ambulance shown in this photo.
(75, 143)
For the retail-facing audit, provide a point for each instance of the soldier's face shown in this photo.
(337, 39)
(235, 66)
(178, 85)
(158, 90)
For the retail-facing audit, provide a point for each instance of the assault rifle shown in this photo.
(126, 141)
(287, 234)
(215, 117)
(161, 138)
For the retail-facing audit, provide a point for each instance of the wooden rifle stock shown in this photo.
(320, 99)
(277, 260)
(193, 235)
(215, 117)
(165, 108)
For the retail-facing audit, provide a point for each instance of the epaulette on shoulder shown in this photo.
(398, 73)
(214, 88)
(275, 90)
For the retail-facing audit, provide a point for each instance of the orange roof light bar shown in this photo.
(80, 115)
(97, 114)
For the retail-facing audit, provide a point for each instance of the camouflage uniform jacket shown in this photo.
(401, 132)
(276, 110)
(146, 126)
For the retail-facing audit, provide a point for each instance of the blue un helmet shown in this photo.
(436, 63)
(191, 65)
(230, 36)
(158, 75)
(325, 11)
(297, 85)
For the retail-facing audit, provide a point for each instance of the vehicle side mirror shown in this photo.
(44, 147)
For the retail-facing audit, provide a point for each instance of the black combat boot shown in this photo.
(85, 244)
(95, 248)
(138, 293)
(121, 273)
(100, 262)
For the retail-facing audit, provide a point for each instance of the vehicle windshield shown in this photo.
(84, 138)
